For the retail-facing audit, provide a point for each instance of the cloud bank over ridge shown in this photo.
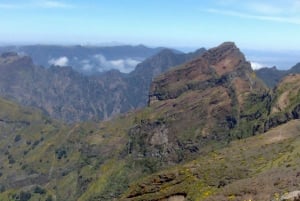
(97, 63)
(100, 63)
(61, 61)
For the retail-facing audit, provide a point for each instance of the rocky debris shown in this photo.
(291, 196)
(151, 139)
(157, 183)
(174, 198)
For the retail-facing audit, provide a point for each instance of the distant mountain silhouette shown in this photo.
(272, 76)
(66, 94)
(85, 59)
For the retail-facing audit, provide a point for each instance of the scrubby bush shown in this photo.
(39, 190)
(2, 188)
(49, 198)
(60, 153)
(23, 196)
(18, 138)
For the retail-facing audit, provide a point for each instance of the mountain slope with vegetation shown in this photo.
(263, 167)
(199, 138)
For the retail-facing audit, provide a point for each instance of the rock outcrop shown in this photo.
(291, 196)
(215, 97)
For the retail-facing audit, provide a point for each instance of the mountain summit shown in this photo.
(223, 63)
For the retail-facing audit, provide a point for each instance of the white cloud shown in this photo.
(290, 20)
(86, 65)
(49, 4)
(256, 65)
(99, 63)
(282, 11)
(54, 4)
(61, 61)
(265, 8)
(132, 62)
(124, 65)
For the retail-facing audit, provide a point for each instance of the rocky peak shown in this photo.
(225, 58)
(165, 51)
(164, 59)
(207, 99)
(223, 65)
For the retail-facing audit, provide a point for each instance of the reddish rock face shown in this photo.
(217, 66)
(203, 100)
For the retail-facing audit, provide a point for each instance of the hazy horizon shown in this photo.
(282, 59)
(268, 28)
(251, 24)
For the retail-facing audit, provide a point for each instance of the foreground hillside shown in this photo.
(46, 160)
(198, 139)
(263, 167)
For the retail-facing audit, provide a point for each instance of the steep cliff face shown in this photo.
(141, 78)
(213, 98)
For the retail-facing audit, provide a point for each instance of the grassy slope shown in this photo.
(70, 162)
(256, 168)
(60, 158)
(287, 94)
(93, 166)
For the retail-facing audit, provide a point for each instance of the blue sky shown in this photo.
(252, 24)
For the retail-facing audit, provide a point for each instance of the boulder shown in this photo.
(292, 196)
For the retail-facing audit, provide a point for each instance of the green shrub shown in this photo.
(17, 138)
(39, 190)
(61, 153)
(49, 198)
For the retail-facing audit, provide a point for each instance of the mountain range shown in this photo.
(212, 130)
(88, 60)
(272, 76)
(65, 94)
